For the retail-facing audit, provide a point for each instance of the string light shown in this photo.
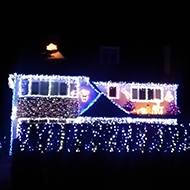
(140, 85)
(12, 78)
(126, 120)
(110, 137)
(56, 116)
(39, 107)
(98, 96)
(50, 78)
(149, 85)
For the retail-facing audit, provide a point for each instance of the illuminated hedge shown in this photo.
(107, 137)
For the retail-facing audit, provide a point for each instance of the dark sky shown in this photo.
(82, 27)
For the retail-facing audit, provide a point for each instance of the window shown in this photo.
(39, 88)
(112, 92)
(134, 94)
(54, 88)
(150, 94)
(63, 89)
(142, 94)
(109, 55)
(44, 88)
(73, 89)
(24, 87)
(59, 88)
(35, 88)
(158, 94)
(146, 94)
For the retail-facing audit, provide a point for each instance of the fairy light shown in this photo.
(54, 115)
(126, 120)
(47, 107)
(103, 137)
(149, 85)
(13, 111)
(98, 96)
(50, 78)
(141, 85)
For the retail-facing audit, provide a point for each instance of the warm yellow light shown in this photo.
(169, 97)
(157, 109)
(84, 95)
(51, 47)
(141, 111)
(127, 94)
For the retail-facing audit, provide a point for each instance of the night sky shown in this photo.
(80, 29)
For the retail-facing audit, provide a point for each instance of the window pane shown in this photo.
(24, 86)
(73, 89)
(44, 88)
(63, 89)
(54, 88)
(113, 58)
(142, 94)
(105, 58)
(35, 88)
(150, 94)
(134, 94)
(158, 94)
(112, 92)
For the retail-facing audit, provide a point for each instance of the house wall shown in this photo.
(87, 95)
(42, 107)
(39, 105)
(70, 106)
(124, 94)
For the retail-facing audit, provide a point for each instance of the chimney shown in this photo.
(167, 64)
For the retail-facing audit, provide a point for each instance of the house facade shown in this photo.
(38, 96)
(145, 98)
(54, 98)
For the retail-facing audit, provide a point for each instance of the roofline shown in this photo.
(135, 83)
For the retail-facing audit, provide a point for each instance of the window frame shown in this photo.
(146, 94)
(68, 89)
(67, 80)
(39, 88)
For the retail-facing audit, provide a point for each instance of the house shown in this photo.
(74, 113)
(76, 100)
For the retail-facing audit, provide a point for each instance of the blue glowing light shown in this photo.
(97, 97)
(12, 119)
(109, 137)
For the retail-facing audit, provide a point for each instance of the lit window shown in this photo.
(24, 87)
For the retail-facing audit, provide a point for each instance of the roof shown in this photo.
(102, 106)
